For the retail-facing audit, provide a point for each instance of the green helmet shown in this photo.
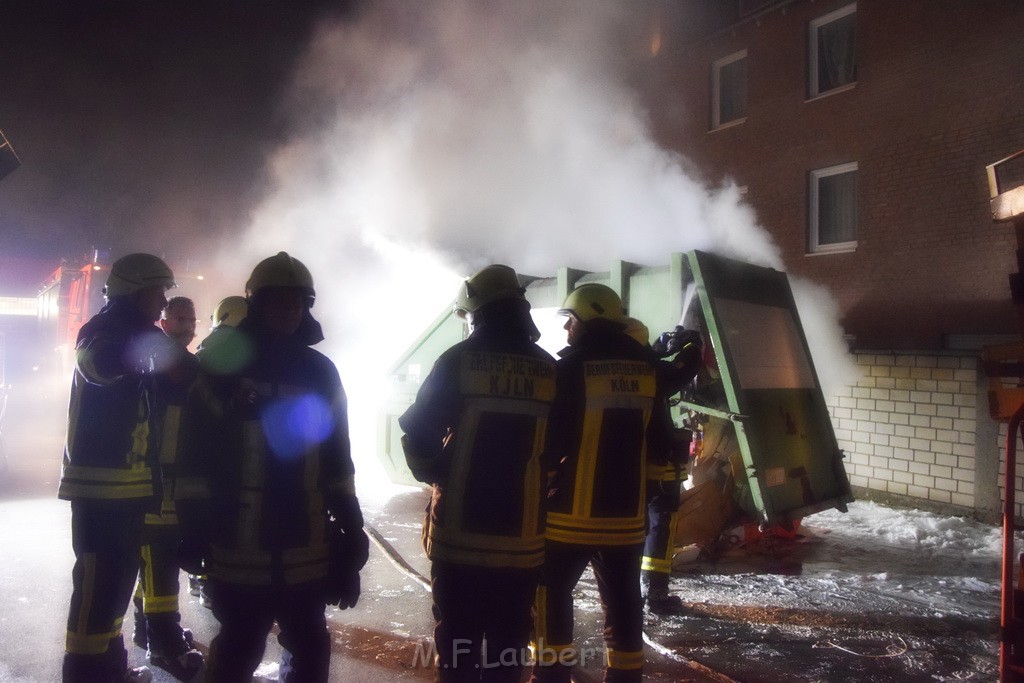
(281, 270)
(591, 300)
(135, 272)
(493, 283)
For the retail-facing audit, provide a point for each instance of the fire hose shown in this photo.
(407, 569)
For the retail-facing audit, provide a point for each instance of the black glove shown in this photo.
(348, 554)
(349, 551)
(193, 556)
(669, 343)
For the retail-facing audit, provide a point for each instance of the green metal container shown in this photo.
(769, 389)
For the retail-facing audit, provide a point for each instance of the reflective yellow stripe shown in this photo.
(108, 475)
(80, 641)
(540, 616)
(596, 523)
(172, 428)
(88, 644)
(147, 570)
(547, 654)
(625, 660)
(652, 564)
(67, 490)
(160, 605)
(578, 537)
(88, 588)
(255, 567)
(611, 531)
(660, 472)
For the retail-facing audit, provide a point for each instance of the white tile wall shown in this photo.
(908, 427)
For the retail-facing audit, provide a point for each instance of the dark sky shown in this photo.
(141, 124)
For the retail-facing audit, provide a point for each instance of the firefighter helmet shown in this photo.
(281, 270)
(230, 311)
(493, 283)
(593, 300)
(637, 330)
(135, 272)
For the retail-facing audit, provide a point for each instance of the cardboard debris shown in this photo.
(704, 513)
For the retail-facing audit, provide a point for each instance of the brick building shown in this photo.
(859, 133)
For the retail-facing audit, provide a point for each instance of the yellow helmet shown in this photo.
(637, 330)
(230, 311)
(136, 272)
(493, 283)
(281, 270)
(593, 300)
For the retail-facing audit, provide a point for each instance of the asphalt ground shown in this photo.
(853, 633)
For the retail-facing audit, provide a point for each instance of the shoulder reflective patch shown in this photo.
(507, 375)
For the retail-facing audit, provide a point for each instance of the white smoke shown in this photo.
(444, 135)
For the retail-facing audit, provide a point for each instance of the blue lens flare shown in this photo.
(295, 424)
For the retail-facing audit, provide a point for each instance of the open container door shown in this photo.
(790, 455)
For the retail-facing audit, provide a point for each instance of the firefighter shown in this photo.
(226, 350)
(265, 494)
(223, 351)
(475, 434)
(230, 311)
(665, 481)
(109, 469)
(604, 427)
(157, 615)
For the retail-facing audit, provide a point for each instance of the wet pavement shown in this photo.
(844, 601)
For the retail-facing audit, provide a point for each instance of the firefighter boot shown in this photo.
(171, 648)
(197, 587)
(140, 674)
(658, 600)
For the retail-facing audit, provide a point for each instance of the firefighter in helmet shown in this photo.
(664, 482)
(226, 349)
(110, 472)
(230, 311)
(474, 434)
(266, 494)
(605, 430)
(157, 614)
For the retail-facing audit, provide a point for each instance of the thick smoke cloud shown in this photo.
(441, 136)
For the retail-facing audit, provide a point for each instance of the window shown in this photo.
(729, 89)
(833, 58)
(833, 209)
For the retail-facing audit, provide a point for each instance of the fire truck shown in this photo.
(68, 297)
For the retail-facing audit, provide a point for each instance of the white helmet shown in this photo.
(135, 272)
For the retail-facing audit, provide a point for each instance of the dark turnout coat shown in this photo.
(108, 454)
(475, 432)
(265, 461)
(608, 433)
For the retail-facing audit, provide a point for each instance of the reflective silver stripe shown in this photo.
(251, 494)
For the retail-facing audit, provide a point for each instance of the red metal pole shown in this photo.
(1009, 526)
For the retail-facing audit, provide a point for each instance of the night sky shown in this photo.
(140, 124)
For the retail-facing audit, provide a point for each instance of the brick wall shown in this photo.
(939, 94)
(916, 428)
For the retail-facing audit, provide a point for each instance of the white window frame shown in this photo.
(814, 246)
(716, 90)
(812, 57)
